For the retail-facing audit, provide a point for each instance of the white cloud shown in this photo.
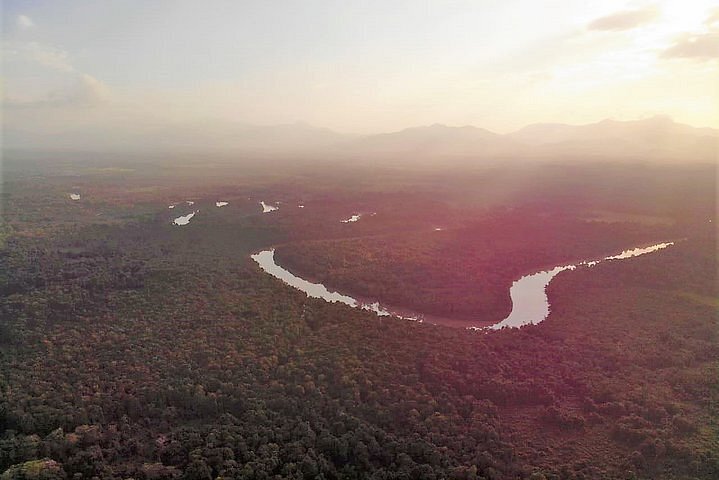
(84, 91)
(43, 76)
(24, 22)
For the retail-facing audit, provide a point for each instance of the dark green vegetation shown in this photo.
(465, 271)
(135, 349)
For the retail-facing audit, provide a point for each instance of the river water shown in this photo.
(530, 304)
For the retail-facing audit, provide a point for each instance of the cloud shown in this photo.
(624, 20)
(84, 91)
(24, 22)
(67, 87)
(703, 46)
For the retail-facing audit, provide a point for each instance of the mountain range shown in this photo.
(657, 138)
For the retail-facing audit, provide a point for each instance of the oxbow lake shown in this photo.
(267, 208)
(184, 219)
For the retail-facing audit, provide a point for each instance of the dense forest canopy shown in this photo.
(134, 348)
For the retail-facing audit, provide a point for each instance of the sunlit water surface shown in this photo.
(530, 304)
(266, 260)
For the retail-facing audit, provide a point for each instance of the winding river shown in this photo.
(530, 304)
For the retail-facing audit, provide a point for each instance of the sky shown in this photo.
(355, 67)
